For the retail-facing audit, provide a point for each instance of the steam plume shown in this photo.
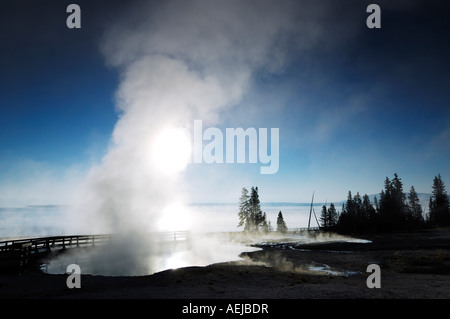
(178, 61)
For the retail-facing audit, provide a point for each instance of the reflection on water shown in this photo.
(136, 256)
(139, 256)
(327, 270)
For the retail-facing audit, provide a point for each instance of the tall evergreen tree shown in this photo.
(414, 206)
(324, 220)
(349, 204)
(332, 215)
(250, 214)
(256, 214)
(439, 203)
(398, 194)
(386, 199)
(359, 215)
(392, 212)
(347, 219)
(244, 210)
(367, 208)
(281, 225)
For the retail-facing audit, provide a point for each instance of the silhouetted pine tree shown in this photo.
(332, 216)
(399, 195)
(415, 210)
(258, 218)
(439, 203)
(368, 209)
(347, 221)
(368, 215)
(328, 217)
(244, 210)
(281, 225)
(250, 214)
(393, 210)
(324, 217)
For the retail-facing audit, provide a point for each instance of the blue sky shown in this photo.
(355, 106)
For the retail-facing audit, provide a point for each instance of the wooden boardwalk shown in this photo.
(17, 254)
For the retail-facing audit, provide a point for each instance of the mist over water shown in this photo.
(219, 218)
(41, 221)
(33, 221)
(214, 238)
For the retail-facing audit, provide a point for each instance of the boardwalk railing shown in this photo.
(173, 236)
(45, 243)
(304, 229)
(18, 253)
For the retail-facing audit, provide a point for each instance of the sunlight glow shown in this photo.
(177, 260)
(171, 150)
(175, 217)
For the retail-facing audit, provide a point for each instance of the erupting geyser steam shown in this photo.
(178, 61)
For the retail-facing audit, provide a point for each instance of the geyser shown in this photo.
(178, 61)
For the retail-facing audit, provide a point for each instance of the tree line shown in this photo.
(252, 218)
(394, 210)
